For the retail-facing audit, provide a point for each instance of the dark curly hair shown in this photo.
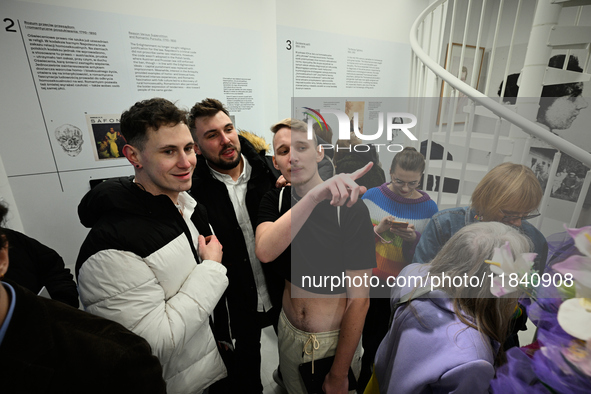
(574, 89)
(149, 114)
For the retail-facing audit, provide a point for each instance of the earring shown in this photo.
(137, 165)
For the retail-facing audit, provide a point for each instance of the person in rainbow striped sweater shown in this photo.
(397, 201)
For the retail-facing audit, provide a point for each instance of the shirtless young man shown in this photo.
(309, 236)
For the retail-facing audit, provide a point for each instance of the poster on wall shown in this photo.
(360, 128)
(570, 174)
(562, 115)
(107, 140)
(68, 74)
(564, 110)
(471, 61)
(321, 64)
(71, 65)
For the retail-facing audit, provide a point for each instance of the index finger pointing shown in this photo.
(362, 171)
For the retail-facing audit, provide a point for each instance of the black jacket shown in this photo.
(123, 216)
(139, 266)
(241, 293)
(350, 162)
(34, 265)
(50, 347)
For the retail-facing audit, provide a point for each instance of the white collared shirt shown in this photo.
(237, 192)
(186, 207)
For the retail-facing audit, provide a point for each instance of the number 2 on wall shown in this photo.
(10, 25)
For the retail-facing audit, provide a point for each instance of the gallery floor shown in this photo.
(269, 362)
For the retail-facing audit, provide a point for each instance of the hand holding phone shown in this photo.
(396, 224)
(405, 231)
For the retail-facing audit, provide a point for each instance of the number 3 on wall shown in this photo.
(10, 25)
(288, 47)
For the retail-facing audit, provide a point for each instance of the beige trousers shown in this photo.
(297, 347)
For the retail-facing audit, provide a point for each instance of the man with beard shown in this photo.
(230, 179)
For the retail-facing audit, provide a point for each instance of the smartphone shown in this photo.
(395, 224)
(314, 380)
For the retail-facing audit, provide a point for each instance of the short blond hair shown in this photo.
(293, 124)
(508, 186)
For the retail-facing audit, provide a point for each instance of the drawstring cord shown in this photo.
(315, 345)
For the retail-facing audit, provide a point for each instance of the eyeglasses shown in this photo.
(400, 183)
(510, 218)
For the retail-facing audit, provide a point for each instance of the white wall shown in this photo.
(48, 213)
(388, 20)
(48, 209)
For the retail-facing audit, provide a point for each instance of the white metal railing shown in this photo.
(427, 71)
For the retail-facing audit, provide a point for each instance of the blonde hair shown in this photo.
(293, 124)
(507, 186)
(464, 254)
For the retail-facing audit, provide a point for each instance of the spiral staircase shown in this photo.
(469, 119)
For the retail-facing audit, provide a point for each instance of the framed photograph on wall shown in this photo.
(452, 64)
(107, 140)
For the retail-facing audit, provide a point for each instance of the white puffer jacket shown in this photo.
(140, 269)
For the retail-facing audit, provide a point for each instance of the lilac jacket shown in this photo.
(438, 354)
